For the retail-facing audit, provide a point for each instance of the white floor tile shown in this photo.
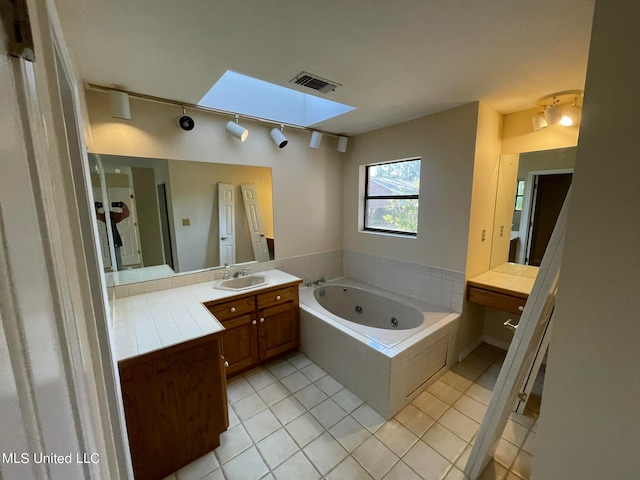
(530, 443)
(310, 396)
(198, 468)
(445, 442)
(297, 467)
(471, 408)
(424, 459)
(488, 381)
(375, 457)
(246, 466)
(349, 469)
(287, 409)
(281, 369)
(328, 413)
(304, 429)
(459, 424)
(238, 388)
(432, 406)
(232, 442)
(261, 379)
(325, 453)
(294, 382)
(515, 433)
(455, 474)
(350, 433)
(298, 360)
(277, 447)
(215, 475)
(456, 380)
(249, 406)
(479, 393)
(505, 453)
(467, 371)
(348, 400)
(261, 425)
(329, 385)
(368, 417)
(415, 420)
(313, 372)
(273, 393)
(401, 471)
(395, 436)
(522, 465)
(444, 392)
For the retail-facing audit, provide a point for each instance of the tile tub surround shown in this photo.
(437, 286)
(278, 430)
(386, 377)
(159, 319)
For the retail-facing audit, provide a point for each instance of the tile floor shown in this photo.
(290, 420)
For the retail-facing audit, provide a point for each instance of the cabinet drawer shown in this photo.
(232, 308)
(496, 300)
(276, 297)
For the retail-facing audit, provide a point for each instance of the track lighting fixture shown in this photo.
(557, 111)
(186, 122)
(237, 130)
(316, 138)
(278, 137)
(120, 107)
(342, 144)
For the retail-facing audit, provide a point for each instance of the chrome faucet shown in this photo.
(245, 271)
(320, 281)
(225, 274)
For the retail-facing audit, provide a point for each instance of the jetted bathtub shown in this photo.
(382, 346)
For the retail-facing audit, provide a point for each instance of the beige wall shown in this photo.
(144, 188)
(589, 424)
(307, 183)
(446, 143)
(483, 197)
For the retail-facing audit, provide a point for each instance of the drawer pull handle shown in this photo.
(253, 322)
(521, 308)
(278, 297)
(233, 309)
(510, 325)
(261, 319)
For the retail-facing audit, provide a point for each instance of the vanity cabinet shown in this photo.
(175, 405)
(258, 326)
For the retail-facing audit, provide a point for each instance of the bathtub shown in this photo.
(382, 346)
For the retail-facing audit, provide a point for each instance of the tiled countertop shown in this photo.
(151, 321)
(509, 278)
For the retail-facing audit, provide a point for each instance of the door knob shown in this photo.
(223, 238)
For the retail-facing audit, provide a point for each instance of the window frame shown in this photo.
(368, 197)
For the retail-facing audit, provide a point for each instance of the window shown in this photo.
(519, 196)
(391, 197)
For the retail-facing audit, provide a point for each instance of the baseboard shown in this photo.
(495, 342)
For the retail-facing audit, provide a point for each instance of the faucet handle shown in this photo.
(245, 271)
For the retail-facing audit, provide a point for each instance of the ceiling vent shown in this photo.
(315, 82)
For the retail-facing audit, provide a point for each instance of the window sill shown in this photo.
(387, 234)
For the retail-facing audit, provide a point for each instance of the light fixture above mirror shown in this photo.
(562, 108)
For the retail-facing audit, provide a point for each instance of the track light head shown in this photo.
(120, 107)
(342, 144)
(185, 122)
(278, 137)
(236, 130)
(316, 138)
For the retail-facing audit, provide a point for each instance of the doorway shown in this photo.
(549, 192)
(165, 227)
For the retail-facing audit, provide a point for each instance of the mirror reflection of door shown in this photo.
(227, 223)
(548, 197)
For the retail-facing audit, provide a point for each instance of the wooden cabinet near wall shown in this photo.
(175, 405)
(258, 326)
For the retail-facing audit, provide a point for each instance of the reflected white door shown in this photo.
(256, 227)
(127, 228)
(227, 223)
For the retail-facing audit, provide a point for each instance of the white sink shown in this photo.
(242, 283)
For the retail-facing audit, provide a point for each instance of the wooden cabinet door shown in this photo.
(240, 343)
(278, 330)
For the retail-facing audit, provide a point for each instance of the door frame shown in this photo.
(524, 232)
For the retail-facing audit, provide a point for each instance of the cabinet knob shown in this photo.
(261, 319)
(278, 297)
(233, 309)
(521, 308)
(253, 322)
(226, 364)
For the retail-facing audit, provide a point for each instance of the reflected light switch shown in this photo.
(186, 222)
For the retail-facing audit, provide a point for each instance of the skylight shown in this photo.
(256, 98)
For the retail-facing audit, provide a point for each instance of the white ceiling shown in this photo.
(396, 59)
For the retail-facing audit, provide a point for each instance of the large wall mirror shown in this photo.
(532, 187)
(172, 216)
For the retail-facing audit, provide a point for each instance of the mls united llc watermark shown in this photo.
(54, 458)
